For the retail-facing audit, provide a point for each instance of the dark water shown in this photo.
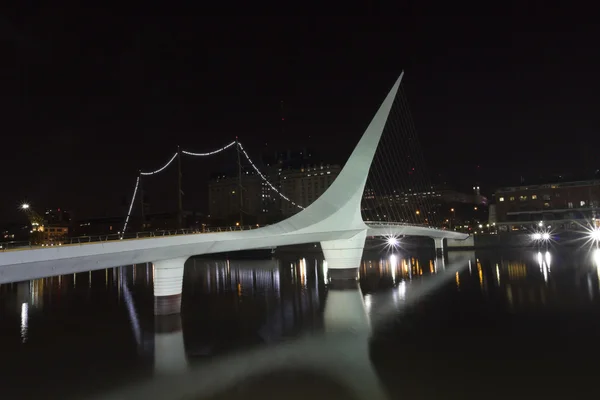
(485, 324)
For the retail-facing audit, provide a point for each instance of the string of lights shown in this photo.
(189, 153)
(210, 153)
(265, 179)
(160, 169)
(137, 183)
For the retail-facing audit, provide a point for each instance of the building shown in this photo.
(562, 205)
(260, 202)
(55, 234)
(232, 198)
(99, 226)
(57, 217)
(304, 185)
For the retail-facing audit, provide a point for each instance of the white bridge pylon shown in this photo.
(334, 220)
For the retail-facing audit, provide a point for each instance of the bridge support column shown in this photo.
(343, 256)
(439, 246)
(168, 285)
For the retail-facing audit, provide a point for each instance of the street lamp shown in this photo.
(24, 206)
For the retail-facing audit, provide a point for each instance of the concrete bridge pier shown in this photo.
(168, 285)
(344, 256)
(439, 246)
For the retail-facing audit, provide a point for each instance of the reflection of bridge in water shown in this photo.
(338, 353)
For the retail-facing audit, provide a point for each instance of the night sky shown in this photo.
(89, 96)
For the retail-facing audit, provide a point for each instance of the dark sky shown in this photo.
(89, 96)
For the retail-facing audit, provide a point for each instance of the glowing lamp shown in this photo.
(392, 241)
(545, 236)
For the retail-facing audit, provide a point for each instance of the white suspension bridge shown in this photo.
(335, 219)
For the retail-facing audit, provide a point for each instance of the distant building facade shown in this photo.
(304, 185)
(231, 196)
(563, 205)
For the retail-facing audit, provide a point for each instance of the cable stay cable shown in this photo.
(393, 159)
(419, 158)
(404, 170)
(411, 190)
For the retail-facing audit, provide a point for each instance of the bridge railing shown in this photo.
(390, 223)
(79, 240)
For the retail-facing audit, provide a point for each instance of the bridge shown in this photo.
(335, 220)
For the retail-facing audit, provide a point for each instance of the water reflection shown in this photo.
(169, 348)
(242, 319)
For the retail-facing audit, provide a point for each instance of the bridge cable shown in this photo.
(393, 169)
(380, 207)
(399, 169)
(283, 196)
(412, 191)
(418, 151)
(402, 169)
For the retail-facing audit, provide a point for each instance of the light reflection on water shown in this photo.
(230, 306)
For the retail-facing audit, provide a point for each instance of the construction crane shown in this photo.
(37, 224)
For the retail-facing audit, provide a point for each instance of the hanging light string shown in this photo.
(210, 153)
(265, 179)
(189, 153)
(161, 169)
(137, 183)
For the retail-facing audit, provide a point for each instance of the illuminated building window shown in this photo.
(582, 203)
(512, 198)
(534, 197)
(522, 198)
(547, 205)
(501, 199)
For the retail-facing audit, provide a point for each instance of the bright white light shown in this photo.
(393, 266)
(545, 236)
(595, 235)
(24, 321)
(541, 223)
(161, 169)
(210, 153)
(392, 241)
(402, 290)
(24, 206)
(536, 236)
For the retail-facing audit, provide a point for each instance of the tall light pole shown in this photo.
(142, 200)
(240, 188)
(179, 192)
